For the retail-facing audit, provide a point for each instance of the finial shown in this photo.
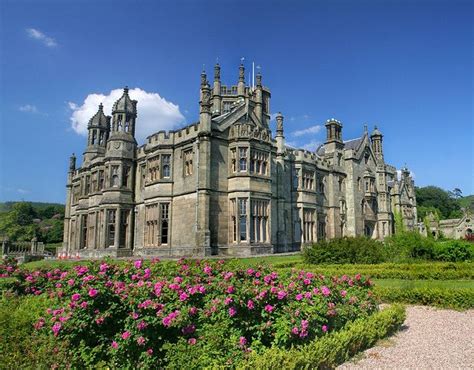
(242, 61)
(241, 72)
(125, 89)
(259, 77)
(101, 107)
(366, 129)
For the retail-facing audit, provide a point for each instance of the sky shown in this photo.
(405, 66)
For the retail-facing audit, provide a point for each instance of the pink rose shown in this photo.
(268, 308)
(138, 264)
(324, 328)
(126, 335)
(93, 292)
(114, 344)
(75, 297)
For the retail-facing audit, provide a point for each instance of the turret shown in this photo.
(98, 128)
(205, 104)
(333, 136)
(121, 142)
(124, 113)
(216, 92)
(376, 138)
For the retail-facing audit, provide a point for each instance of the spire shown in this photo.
(216, 92)
(242, 71)
(203, 78)
(376, 138)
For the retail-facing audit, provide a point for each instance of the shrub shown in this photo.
(334, 348)
(345, 250)
(404, 246)
(133, 315)
(454, 251)
(462, 298)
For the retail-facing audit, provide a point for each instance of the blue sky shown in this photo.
(405, 66)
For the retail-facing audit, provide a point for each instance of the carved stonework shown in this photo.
(246, 131)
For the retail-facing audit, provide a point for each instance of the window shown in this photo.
(233, 160)
(94, 137)
(243, 219)
(308, 225)
(156, 214)
(359, 182)
(233, 219)
(227, 107)
(366, 185)
(342, 184)
(84, 232)
(308, 180)
(188, 162)
(164, 213)
(125, 176)
(321, 230)
(119, 122)
(259, 221)
(296, 175)
(91, 230)
(76, 193)
(153, 168)
(87, 187)
(94, 187)
(321, 185)
(165, 165)
(111, 227)
(151, 225)
(242, 159)
(115, 177)
(101, 179)
(142, 175)
(101, 138)
(124, 215)
(258, 162)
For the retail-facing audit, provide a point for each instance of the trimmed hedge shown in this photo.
(462, 298)
(409, 271)
(335, 348)
(345, 250)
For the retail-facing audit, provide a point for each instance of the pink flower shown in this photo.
(281, 294)
(56, 328)
(126, 335)
(141, 341)
(192, 341)
(149, 351)
(138, 264)
(232, 311)
(142, 325)
(114, 344)
(207, 270)
(84, 304)
(230, 289)
(193, 310)
(183, 296)
(343, 293)
(324, 328)
(228, 300)
(250, 304)
(269, 308)
(75, 297)
(294, 331)
(325, 290)
(93, 292)
(242, 341)
(299, 297)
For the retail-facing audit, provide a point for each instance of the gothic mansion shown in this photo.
(225, 185)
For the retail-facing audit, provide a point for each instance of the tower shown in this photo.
(98, 133)
(333, 135)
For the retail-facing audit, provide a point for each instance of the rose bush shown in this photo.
(172, 314)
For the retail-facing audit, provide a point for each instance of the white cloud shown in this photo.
(307, 131)
(311, 145)
(40, 36)
(29, 108)
(154, 113)
(22, 191)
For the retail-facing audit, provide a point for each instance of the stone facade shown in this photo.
(225, 185)
(455, 228)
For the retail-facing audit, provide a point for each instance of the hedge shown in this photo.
(409, 271)
(462, 298)
(335, 348)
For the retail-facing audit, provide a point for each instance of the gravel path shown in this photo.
(431, 338)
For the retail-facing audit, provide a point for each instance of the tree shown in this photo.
(432, 196)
